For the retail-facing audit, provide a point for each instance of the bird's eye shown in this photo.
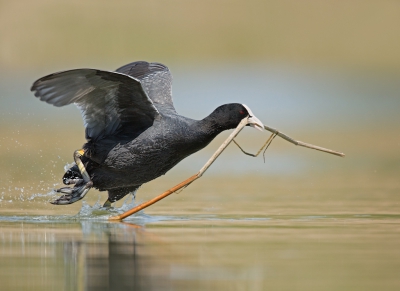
(241, 112)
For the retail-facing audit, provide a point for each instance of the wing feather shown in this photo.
(156, 80)
(109, 101)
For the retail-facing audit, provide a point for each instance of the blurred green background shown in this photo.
(57, 34)
(325, 72)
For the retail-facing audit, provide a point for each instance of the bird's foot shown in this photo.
(72, 176)
(71, 195)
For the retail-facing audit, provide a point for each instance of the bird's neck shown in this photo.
(211, 125)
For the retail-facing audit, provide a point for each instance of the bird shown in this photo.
(133, 132)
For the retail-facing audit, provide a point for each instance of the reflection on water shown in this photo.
(343, 252)
(113, 260)
(86, 256)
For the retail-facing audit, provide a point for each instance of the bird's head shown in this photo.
(228, 116)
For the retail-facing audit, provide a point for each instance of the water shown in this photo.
(303, 220)
(344, 252)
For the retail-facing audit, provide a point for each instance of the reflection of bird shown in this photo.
(133, 132)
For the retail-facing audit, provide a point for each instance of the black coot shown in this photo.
(133, 132)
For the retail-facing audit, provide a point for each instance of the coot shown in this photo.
(133, 131)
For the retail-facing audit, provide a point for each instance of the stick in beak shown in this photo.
(256, 123)
(303, 144)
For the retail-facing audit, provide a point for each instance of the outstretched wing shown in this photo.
(109, 101)
(156, 80)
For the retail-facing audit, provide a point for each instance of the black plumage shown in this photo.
(133, 131)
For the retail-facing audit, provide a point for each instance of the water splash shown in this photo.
(97, 211)
(50, 196)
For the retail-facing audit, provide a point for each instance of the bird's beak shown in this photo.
(254, 121)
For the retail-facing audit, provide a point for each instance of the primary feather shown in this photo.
(108, 101)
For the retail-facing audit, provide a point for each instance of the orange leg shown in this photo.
(156, 199)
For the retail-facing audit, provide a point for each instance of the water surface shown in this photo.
(343, 252)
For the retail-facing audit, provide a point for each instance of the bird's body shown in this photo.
(133, 132)
(151, 154)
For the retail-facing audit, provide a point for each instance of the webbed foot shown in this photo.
(75, 175)
(71, 195)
